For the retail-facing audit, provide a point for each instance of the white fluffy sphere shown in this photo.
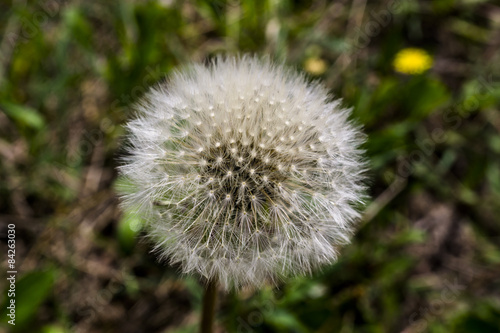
(244, 171)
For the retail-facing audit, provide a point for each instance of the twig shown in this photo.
(382, 200)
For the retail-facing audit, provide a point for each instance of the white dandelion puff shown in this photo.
(244, 171)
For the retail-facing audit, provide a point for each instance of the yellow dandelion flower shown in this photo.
(315, 66)
(412, 61)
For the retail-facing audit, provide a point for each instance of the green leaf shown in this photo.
(281, 319)
(53, 329)
(425, 95)
(24, 115)
(30, 291)
(130, 225)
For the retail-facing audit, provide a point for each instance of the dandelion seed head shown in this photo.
(265, 169)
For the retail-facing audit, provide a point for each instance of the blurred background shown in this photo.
(423, 78)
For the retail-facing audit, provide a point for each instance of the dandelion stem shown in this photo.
(208, 312)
